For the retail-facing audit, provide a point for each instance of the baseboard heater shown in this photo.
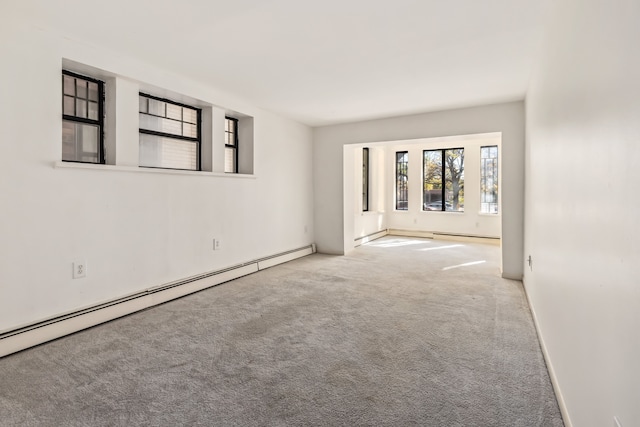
(369, 237)
(439, 235)
(68, 323)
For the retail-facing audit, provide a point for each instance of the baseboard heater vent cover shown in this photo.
(49, 329)
(370, 237)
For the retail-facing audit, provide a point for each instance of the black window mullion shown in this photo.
(157, 98)
(101, 101)
(169, 135)
(443, 174)
(235, 142)
(365, 179)
(86, 99)
(199, 120)
(81, 120)
(75, 97)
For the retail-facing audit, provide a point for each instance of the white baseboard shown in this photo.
(552, 374)
(56, 327)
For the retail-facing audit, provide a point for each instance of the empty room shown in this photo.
(289, 212)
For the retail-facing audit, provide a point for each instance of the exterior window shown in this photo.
(82, 119)
(365, 179)
(169, 134)
(231, 145)
(489, 179)
(402, 180)
(443, 183)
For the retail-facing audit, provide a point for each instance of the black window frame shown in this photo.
(197, 140)
(235, 144)
(365, 179)
(443, 190)
(404, 200)
(99, 122)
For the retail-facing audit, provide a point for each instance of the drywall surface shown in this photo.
(582, 209)
(375, 218)
(133, 229)
(507, 118)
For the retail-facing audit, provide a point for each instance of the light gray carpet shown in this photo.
(383, 337)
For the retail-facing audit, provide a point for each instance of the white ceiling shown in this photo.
(324, 61)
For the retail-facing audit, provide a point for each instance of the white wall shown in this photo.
(582, 208)
(133, 229)
(333, 218)
(375, 219)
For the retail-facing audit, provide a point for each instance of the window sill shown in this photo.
(116, 168)
(489, 214)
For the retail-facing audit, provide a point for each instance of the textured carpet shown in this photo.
(387, 336)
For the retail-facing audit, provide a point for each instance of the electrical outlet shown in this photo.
(216, 244)
(79, 269)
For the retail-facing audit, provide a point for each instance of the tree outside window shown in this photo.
(443, 185)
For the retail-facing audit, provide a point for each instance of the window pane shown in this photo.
(81, 88)
(454, 179)
(189, 130)
(69, 85)
(89, 140)
(174, 111)
(80, 142)
(158, 124)
(156, 107)
(161, 152)
(402, 180)
(432, 182)
(93, 110)
(68, 140)
(93, 91)
(167, 150)
(190, 115)
(231, 139)
(81, 108)
(489, 179)
(68, 107)
(230, 160)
